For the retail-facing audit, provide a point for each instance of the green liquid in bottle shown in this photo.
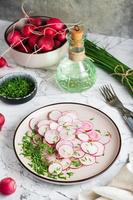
(75, 74)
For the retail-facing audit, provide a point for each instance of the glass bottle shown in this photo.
(76, 72)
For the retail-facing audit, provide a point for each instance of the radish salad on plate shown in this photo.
(62, 143)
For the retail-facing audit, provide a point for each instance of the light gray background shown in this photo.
(110, 17)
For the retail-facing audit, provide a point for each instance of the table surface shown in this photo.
(29, 188)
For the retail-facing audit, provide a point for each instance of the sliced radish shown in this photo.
(53, 125)
(75, 164)
(43, 123)
(65, 151)
(77, 123)
(87, 159)
(41, 130)
(33, 123)
(55, 168)
(76, 143)
(94, 136)
(79, 130)
(63, 142)
(89, 147)
(105, 139)
(51, 158)
(65, 120)
(67, 134)
(54, 115)
(83, 137)
(71, 114)
(100, 148)
(60, 128)
(78, 154)
(51, 136)
(87, 126)
(65, 163)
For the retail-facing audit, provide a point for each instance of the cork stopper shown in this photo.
(77, 33)
(76, 42)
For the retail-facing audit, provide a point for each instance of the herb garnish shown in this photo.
(35, 150)
(76, 163)
(16, 87)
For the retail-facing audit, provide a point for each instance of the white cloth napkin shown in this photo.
(120, 188)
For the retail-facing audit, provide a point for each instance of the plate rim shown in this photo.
(61, 181)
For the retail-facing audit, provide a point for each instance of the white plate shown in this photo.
(101, 122)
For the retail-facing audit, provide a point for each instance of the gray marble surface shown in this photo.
(29, 188)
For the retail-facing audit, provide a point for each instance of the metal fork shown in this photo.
(111, 98)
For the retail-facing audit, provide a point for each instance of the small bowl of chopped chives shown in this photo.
(17, 88)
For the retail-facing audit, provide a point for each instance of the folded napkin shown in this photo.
(120, 188)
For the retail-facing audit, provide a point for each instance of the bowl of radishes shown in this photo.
(37, 42)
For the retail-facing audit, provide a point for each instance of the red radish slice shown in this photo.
(41, 130)
(71, 114)
(43, 123)
(65, 120)
(77, 123)
(65, 163)
(67, 134)
(90, 148)
(33, 123)
(78, 154)
(51, 158)
(87, 126)
(100, 148)
(79, 131)
(76, 143)
(54, 115)
(94, 136)
(105, 139)
(66, 151)
(83, 137)
(51, 137)
(87, 159)
(60, 128)
(55, 168)
(63, 142)
(53, 125)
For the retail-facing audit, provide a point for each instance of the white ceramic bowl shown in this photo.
(47, 60)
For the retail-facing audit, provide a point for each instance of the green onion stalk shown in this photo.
(113, 66)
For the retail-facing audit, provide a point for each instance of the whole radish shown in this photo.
(3, 62)
(55, 23)
(7, 186)
(2, 120)
(27, 30)
(49, 32)
(37, 21)
(24, 49)
(32, 41)
(57, 43)
(61, 36)
(46, 44)
(14, 38)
